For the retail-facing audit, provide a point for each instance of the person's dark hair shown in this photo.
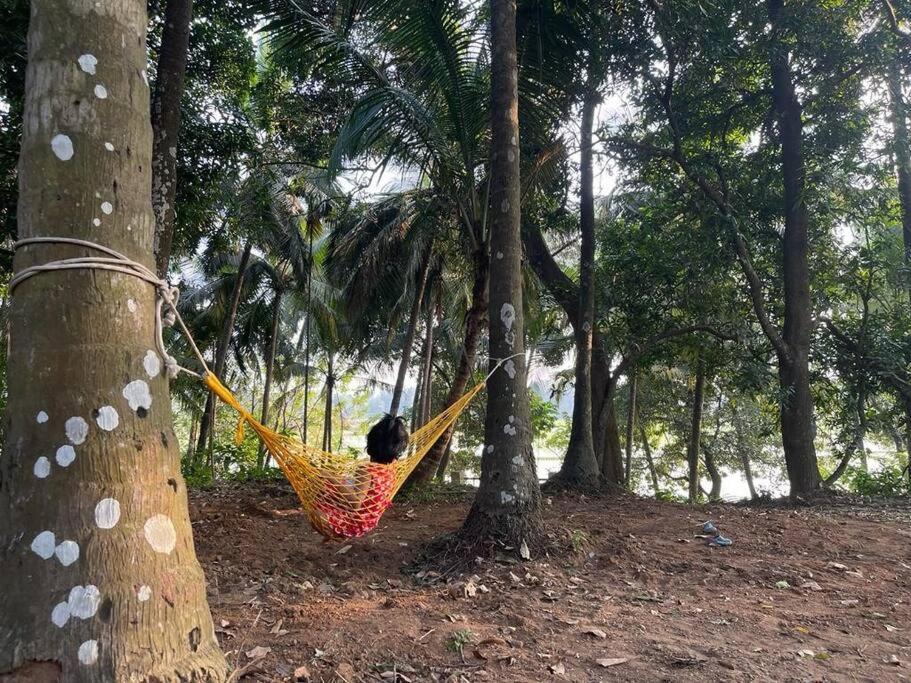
(387, 440)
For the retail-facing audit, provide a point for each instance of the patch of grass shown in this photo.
(459, 639)
(579, 539)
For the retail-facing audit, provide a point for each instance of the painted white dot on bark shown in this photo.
(84, 601)
(88, 63)
(96, 222)
(60, 614)
(489, 449)
(508, 315)
(107, 418)
(42, 468)
(509, 430)
(504, 206)
(101, 92)
(107, 208)
(108, 146)
(107, 513)
(506, 498)
(44, 544)
(88, 652)
(41, 417)
(510, 368)
(517, 460)
(152, 364)
(65, 456)
(512, 418)
(160, 533)
(499, 255)
(67, 552)
(131, 305)
(511, 156)
(62, 146)
(77, 430)
(137, 395)
(144, 593)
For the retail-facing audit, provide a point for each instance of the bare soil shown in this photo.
(805, 594)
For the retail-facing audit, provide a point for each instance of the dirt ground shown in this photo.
(809, 594)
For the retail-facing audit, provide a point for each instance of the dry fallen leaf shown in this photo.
(612, 662)
(558, 669)
(277, 627)
(344, 549)
(258, 651)
(596, 632)
(524, 552)
(302, 673)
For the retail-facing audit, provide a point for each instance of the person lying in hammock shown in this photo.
(352, 506)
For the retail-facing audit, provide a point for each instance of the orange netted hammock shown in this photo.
(344, 497)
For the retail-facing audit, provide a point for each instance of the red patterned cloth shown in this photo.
(345, 522)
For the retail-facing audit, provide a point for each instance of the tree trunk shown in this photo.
(744, 455)
(474, 326)
(692, 447)
(608, 436)
(427, 390)
(169, 84)
(191, 441)
(307, 336)
(270, 368)
(327, 418)
(222, 346)
(650, 461)
(444, 463)
(507, 507)
(902, 150)
(630, 425)
(101, 580)
(580, 467)
(409, 335)
(418, 397)
(797, 427)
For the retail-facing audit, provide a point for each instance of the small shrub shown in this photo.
(459, 639)
(887, 483)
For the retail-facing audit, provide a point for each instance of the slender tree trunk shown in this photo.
(797, 420)
(222, 346)
(270, 368)
(507, 507)
(191, 441)
(169, 85)
(327, 418)
(307, 336)
(100, 577)
(417, 403)
(692, 447)
(444, 463)
(427, 390)
(902, 150)
(608, 433)
(650, 461)
(409, 335)
(630, 425)
(580, 467)
(744, 454)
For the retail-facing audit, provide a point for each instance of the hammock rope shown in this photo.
(344, 496)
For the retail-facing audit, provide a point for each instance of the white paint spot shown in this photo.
(88, 652)
(44, 544)
(62, 146)
(65, 456)
(107, 418)
(137, 395)
(506, 498)
(131, 305)
(511, 156)
(107, 208)
(512, 418)
(108, 146)
(67, 552)
(160, 533)
(60, 614)
(84, 601)
(42, 468)
(510, 368)
(173, 152)
(508, 316)
(499, 255)
(41, 417)
(509, 430)
(88, 63)
(96, 222)
(489, 449)
(517, 460)
(77, 430)
(144, 593)
(504, 206)
(152, 364)
(107, 513)
(101, 92)
(145, 76)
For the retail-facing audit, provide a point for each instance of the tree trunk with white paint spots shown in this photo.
(507, 507)
(101, 581)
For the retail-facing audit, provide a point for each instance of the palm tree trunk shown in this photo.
(222, 346)
(307, 335)
(797, 420)
(507, 507)
(427, 389)
(649, 459)
(418, 397)
(902, 150)
(327, 417)
(692, 448)
(410, 334)
(191, 441)
(630, 425)
(169, 85)
(270, 368)
(100, 576)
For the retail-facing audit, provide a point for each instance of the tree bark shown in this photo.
(797, 420)
(692, 447)
(630, 425)
(270, 368)
(327, 418)
(222, 346)
(650, 461)
(580, 467)
(101, 580)
(902, 150)
(427, 388)
(409, 336)
(507, 507)
(444, 463)
(744, 455)
(607, 434)
(169, 86)
(307, 336)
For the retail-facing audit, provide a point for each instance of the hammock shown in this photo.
(343, 497)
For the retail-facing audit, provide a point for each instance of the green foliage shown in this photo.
(459, 639)
(889, 482)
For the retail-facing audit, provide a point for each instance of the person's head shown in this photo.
(387, 440)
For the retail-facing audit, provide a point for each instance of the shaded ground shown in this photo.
(641, 594)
